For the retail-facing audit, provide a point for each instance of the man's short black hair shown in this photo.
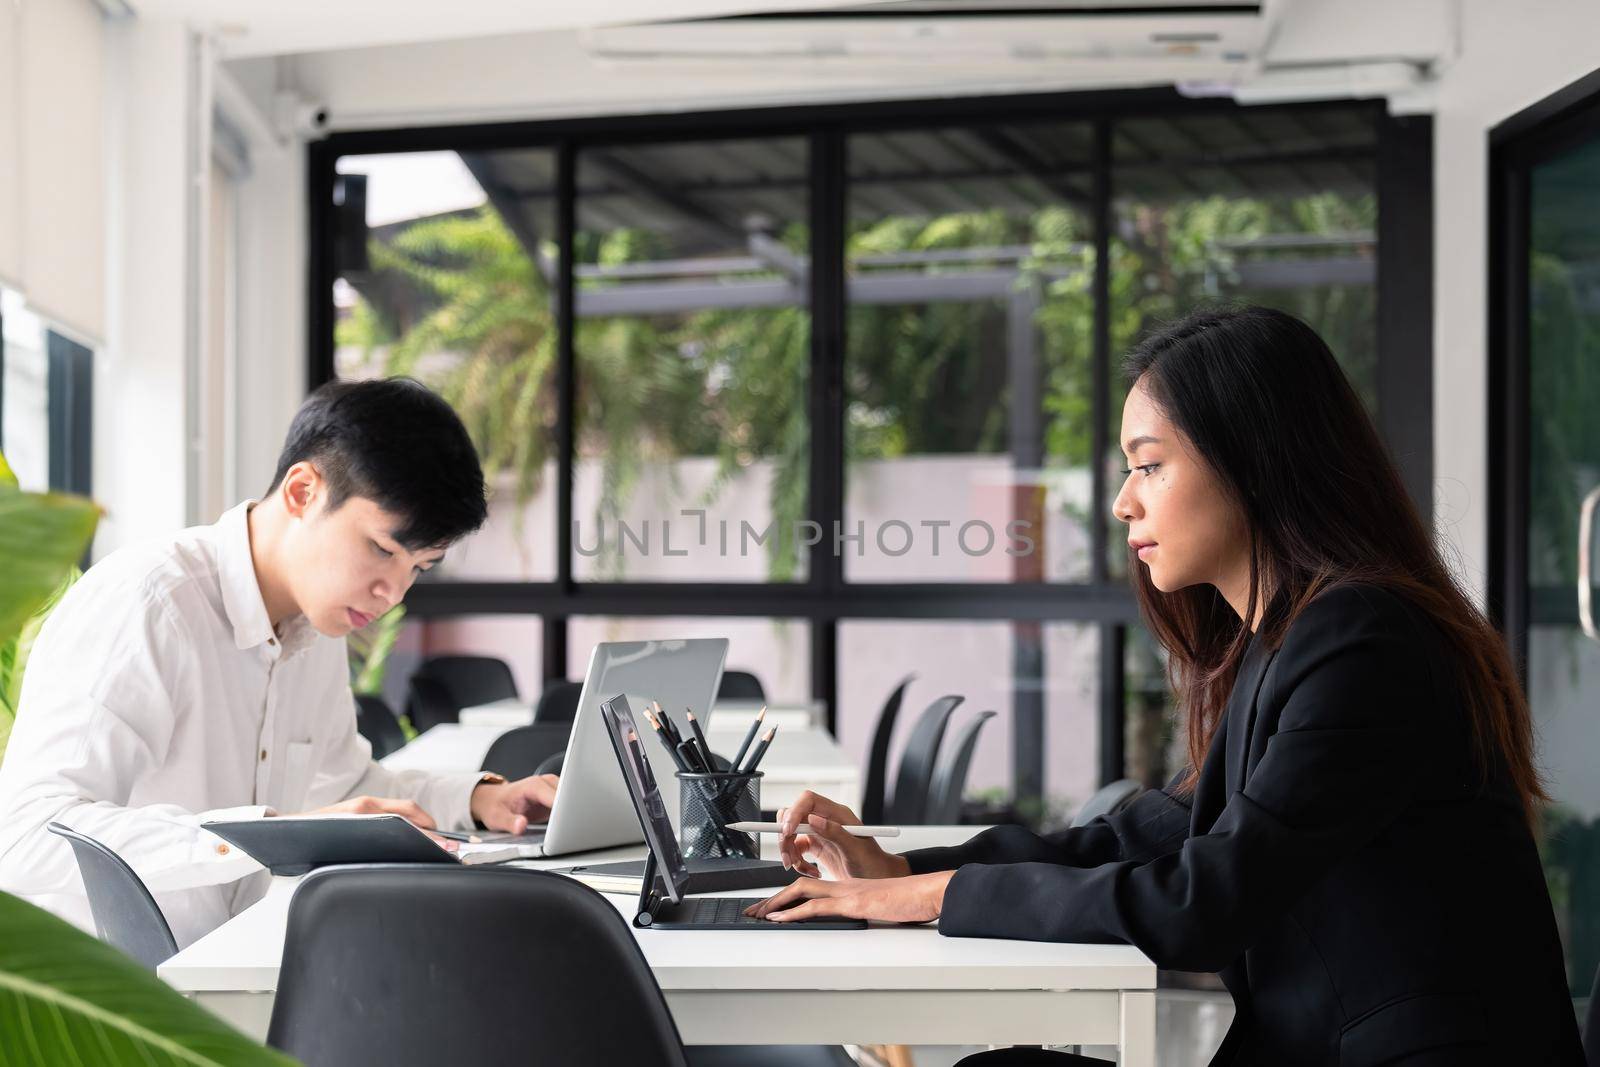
(396, 443)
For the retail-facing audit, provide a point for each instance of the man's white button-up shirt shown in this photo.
(158, 696)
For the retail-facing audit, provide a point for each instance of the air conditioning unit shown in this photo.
(1195, 42)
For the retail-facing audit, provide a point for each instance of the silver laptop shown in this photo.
(593, 809)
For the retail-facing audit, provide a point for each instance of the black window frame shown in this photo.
(1404, 176)
(1532, 136)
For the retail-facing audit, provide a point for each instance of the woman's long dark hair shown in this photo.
(1259, 396)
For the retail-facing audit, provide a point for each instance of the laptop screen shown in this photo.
(645, 794)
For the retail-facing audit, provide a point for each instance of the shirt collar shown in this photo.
(241, 593)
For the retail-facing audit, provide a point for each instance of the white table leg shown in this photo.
(1136, 1044)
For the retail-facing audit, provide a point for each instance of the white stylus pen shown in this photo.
(777, 828)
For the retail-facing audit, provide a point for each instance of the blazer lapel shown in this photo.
(1242, 711)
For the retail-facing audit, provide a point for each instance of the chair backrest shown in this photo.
(520, 752)
(908, 806)
(471, 680)
(426, 964)
(741, 685)
(1591, 1026)
(126, 916)
(1107, 800)
(877, 776)
(950, 780)
(428, 703)
(378, 725)
(558, 702)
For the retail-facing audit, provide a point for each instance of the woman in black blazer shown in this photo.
(1350, 845)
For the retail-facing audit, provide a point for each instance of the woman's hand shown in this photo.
(813, 824)
(916, 898)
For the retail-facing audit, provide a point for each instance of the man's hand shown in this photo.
(512, 806)
(408, 809)
(916, 898)
(817, 821)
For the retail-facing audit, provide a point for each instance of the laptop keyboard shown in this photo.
(719, 909)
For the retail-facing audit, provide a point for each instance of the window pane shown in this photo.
(693, 350)
(969, 258)
(1266, 207)
(1009, 667)
(776, 651)
(25, 393)
(1154, 738)
(446, 274)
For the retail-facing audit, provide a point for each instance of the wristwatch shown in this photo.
(486, 778)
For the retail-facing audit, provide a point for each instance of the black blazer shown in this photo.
(1363, 900)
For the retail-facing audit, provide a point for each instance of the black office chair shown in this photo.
(428, 703)
(950, 780)
(378, 725)
(523, 751)
(1591, 1026)
(877, 776)
(471, 680)
(558, 702)
(741, 685)
(1107, 800)
(909, 805)
(126, 916)
(1026, 1056)
(426, 964)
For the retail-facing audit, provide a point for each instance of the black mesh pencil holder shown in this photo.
(708, 803)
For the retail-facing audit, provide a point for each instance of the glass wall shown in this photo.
(845, 371)
(693, 351)
(968, 259)
(446, 263)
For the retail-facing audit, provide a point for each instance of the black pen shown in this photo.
(700, 738)
(688, 756)
(750, 735)
(761, 750)
(672, 750)
(668, 725)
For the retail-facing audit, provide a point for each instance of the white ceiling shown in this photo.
(276, 27)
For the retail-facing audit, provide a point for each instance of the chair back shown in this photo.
(520, 752)
(950, 781)
(413, 964)
(876, 783)
(741, 685)
(909, 805)
(1591, 1026)
(126, 916)
(1107, 800)
(428, 703)
(378, 725)
(558, 702)
(471, 680)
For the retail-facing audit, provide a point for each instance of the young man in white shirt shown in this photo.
(204, 675)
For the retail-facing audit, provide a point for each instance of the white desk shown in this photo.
(798, 760)
(886, 985)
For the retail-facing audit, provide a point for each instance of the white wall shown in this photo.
(140, 457)
(1512, 55)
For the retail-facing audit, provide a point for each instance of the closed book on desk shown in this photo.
(294, 844)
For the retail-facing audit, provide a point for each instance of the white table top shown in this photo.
(244, 953)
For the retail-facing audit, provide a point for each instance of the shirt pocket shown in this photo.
(298, 768)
